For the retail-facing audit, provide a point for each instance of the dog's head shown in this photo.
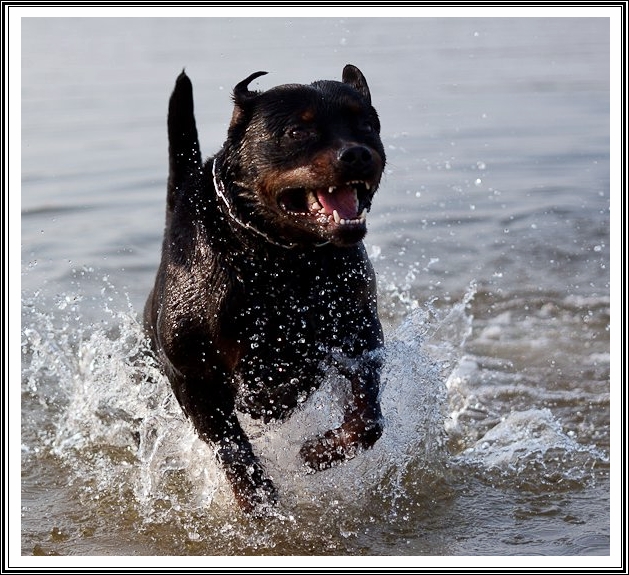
(302, 162)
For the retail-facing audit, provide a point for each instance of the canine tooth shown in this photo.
(337, 218)
(367, 186)
(316, 206)
(331, 189)
(363, 215)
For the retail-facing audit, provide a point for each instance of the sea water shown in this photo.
(490, 239)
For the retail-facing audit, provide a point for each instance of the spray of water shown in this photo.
(114, 423)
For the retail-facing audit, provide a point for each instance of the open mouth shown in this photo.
(343, 205)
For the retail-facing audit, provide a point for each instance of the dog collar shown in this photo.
(220, 190)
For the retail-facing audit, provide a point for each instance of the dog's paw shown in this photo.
(254, 491)
(340, 444)
(327, 450)
(256, 499)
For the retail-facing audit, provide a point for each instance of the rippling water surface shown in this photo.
(490, 237)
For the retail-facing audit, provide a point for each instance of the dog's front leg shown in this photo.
(362, 425)
(254, 491)
(216, 421)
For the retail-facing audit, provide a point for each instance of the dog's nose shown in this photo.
(356, 157)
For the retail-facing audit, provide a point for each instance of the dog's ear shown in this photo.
(354, 77)
(242, 95)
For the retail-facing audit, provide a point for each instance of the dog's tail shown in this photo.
(183, 142)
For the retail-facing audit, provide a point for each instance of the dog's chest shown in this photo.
(283, 344)
(297, 311)
(290, 320)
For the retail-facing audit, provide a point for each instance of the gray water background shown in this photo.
(497, 190)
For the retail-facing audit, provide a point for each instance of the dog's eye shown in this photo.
(299, 132)
(366, 127)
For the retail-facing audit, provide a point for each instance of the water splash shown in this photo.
(118, 419)
(112, 421)
(530, 450)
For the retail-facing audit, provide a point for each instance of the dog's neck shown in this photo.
(220, 190)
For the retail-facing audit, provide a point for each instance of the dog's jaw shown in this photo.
(319, 201)
(329, 210)
(289, 214)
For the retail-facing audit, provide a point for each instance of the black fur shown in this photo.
(259, 291)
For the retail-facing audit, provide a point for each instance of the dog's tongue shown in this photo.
(342, 199)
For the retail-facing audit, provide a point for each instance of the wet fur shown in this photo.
(251, 302)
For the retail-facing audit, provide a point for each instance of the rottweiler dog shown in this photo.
(264, 283)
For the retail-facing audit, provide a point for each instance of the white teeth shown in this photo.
(354, 184)
(316, 207)
(361, 219)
